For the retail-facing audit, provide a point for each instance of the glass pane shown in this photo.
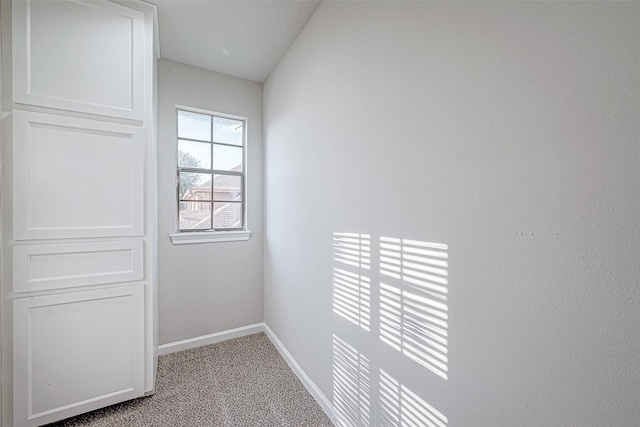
(227, 187)
(194, 154)
(227, 158)
(195, 215)
(227, 215)
(228, 131)
(194, 125)
(195, 186)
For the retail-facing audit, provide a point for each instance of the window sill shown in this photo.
(209, 237)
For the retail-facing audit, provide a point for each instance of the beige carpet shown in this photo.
(240, 382)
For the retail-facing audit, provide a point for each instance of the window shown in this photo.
(211, 171)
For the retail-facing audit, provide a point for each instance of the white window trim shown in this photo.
(212, 236)
(209, 237)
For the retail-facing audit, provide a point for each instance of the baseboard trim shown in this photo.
(311, 387)
(190, 343)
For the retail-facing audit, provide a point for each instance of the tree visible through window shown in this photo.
(210, 171)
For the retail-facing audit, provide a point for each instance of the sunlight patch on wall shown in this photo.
(351, 289)
(352, 297)
(413, 300)
(399, 406)
(353, 249)
(351, 385)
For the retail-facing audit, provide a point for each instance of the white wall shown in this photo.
(508, 131)
(1, 239)
(207, 288)
(6, 224)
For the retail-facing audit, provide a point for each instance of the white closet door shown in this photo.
(81, 184)
(76, 352)
(76, 177)
(96, 65)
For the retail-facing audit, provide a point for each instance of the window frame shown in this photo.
(205, 234)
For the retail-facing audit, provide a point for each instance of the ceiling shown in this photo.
(242, 38)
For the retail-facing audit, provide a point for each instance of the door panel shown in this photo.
(95, 65)
(76, 352)
(58, 266)
(76, 178)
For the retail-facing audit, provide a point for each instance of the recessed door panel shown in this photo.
(77, 351)
(79, 55)
(76, 178)
(56, 266)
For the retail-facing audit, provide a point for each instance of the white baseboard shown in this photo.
(311, 387)
(172, 347)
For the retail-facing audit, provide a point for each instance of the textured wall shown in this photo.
(508, 132)
(211, 287)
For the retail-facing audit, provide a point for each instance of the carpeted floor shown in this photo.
(240, 382)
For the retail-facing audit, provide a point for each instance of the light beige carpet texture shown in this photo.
(240, 382)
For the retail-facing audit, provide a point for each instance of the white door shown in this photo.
(83, 203)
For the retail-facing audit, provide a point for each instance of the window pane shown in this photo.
(195, 186)
(194, 125)
(227, 187)
(227, 158)
(227, 215)
(194, 154)
(227, 131)
(195, 215)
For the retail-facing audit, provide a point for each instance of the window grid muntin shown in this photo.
(212, 142)
(213, 172)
